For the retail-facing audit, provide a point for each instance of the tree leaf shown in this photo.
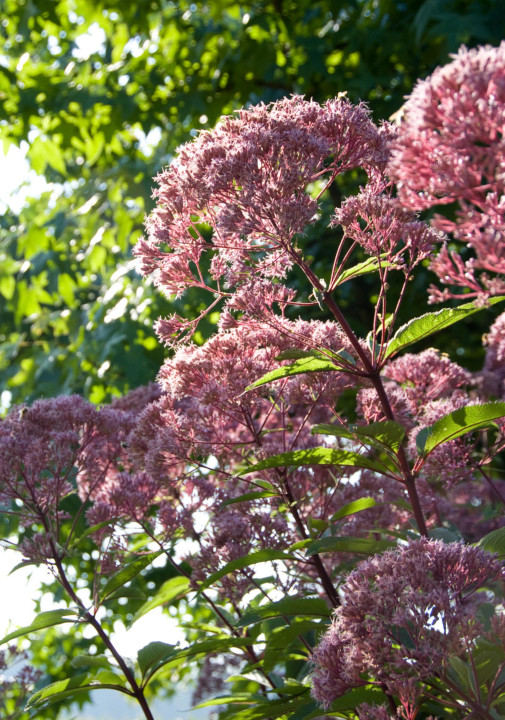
(173, 589)
(361, 546)
(154, 653)
(494, 542)
(355, 506)
(355, 697)
(317, 456)
(424, 326)
(127, 573)
(282, 638)
(457, 423)
(69, 687)
(271, 710)
(300, 607)
(386, 434)
(254, 558)
(298, 353)
(92, 661)
(43, 620)
(303, 365)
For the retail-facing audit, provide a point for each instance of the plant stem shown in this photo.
(137, 690)
(374, 375)
(325, 578)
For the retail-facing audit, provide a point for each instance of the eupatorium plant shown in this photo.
(358, 472)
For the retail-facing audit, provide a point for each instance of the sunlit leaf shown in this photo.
(424, 326)
(172, 589)
(300, 607)
(457, 423)
(43, 620)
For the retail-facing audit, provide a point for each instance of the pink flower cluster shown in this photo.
(241, 193)
(402, 615)
(450, 149)
(62, 446)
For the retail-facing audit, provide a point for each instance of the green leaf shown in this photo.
(247, 561)
(282, 638)
(424, 326)
(317, 456)
(89, 531)
(300, 607)
(255, 495)
(69, 687)
(270, 710)
(155, 655)
(355, 697)
(172, 589)
(445, 534)
(353, 507)
(152, 654)
(386, 434)
(494, 542)
(127, 573)
(297, 353)
(92, 661)
(457, 423)
(43, 620)
(303, 365)
(369, 265)
(361, 546)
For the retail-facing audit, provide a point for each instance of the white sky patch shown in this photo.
(89, 43)
(17, 181)
(18, 591)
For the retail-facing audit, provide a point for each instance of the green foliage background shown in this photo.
(74, 316)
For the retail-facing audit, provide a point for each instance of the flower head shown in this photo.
(402, 615)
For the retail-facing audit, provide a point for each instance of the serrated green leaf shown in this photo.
(127, 573)
(386, 434)
(360, 546)
(43, 620)
(318, 456)
(424, 326)
(303, 365)
(172, 589)
(300, 607)
(494, 542)
(247, 561)
(353, 507)
(457, 423)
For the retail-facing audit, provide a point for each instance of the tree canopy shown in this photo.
(101, 93)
